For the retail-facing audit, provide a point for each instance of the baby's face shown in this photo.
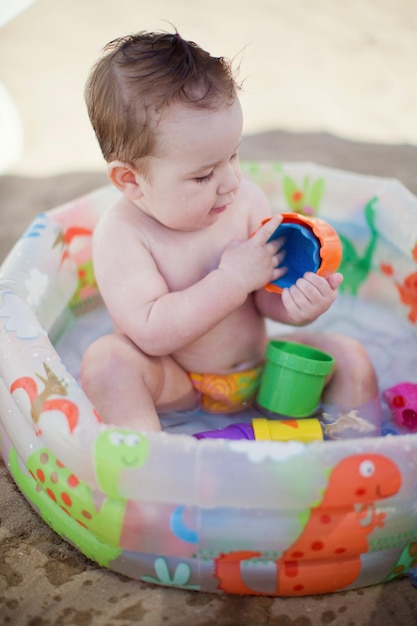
(194, 173)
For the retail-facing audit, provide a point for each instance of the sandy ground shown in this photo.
(325, 80)
(308, 65)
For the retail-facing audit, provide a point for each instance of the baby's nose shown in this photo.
(230, 181)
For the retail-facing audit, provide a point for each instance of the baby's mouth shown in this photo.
(218, 209)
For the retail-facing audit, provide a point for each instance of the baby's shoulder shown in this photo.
(254, 201)
(119, 217)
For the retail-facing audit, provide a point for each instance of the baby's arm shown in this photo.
(301, 303)
(161, 322)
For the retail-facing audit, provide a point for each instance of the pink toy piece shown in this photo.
(402, 400)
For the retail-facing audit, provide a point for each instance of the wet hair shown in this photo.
(137, 76)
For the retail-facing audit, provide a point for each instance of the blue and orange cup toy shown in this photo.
(310, 245)
(291, 386)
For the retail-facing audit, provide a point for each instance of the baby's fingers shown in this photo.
(278, 272)
(311, 290)
(315, 287)
(335, 280)
(266, 231)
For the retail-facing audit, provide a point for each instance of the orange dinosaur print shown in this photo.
(326, 556)
(408, 295)
(40, 402)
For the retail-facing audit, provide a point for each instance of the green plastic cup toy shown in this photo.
(293, 378)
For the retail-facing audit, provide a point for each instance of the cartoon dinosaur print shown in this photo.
(53, 386)
(356, 268)
(408, 289)
(54, 489)
(326, 556)
(407, 562)
(408, 295)
(87, 290)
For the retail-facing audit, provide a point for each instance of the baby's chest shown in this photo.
(183, 265)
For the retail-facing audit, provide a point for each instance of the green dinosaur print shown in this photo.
(87, 285)
(70, 506)
(356, 268)
(59, 520)
(115, 450)
(406, 561)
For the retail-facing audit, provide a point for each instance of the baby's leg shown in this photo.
(350, 400)
(353, 381)
(128, 387)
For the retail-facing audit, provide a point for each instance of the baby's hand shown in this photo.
(310, 296)
(253, 263)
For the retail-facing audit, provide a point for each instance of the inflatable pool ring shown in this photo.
(237, 516)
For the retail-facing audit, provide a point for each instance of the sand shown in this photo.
(324, 81)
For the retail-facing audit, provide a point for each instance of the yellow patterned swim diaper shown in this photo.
(227, 393)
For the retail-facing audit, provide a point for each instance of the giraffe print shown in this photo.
(40, 401)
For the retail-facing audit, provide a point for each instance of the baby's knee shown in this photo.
(355, 358)
(354, 380)
(120, 381)
(350, 356)
(97, 363)
(110, 358)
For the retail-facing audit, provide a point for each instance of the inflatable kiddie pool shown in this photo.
(252, 517)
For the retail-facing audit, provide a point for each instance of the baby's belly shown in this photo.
(239, 342)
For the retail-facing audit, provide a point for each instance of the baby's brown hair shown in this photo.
(140, 74)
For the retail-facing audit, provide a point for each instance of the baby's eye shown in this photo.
(204, 179)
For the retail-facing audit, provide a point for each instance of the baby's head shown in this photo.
(137, 76)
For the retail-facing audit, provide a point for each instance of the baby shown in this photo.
(179, 272)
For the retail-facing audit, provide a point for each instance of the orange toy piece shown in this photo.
(328, 242)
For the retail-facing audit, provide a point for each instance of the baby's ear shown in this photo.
(125, 178)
